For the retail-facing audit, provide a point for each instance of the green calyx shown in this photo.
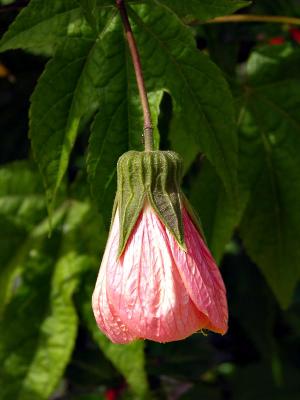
(152, 176)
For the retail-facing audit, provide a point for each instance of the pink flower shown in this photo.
(156, 290)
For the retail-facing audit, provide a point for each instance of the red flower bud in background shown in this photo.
(157, 279)
(276, 40)
(111, 394)
(295, 34)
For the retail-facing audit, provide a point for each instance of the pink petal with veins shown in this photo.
(201, 276)
(106, 317)
(146, 289)
(155, 290)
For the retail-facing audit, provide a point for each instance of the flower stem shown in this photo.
(148, 130)
(281, 19)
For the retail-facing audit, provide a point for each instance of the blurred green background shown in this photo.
(50, 347)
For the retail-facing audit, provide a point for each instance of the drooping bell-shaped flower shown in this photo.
(157, 279)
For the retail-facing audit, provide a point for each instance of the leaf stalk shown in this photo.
(280, 19)
(148, 129)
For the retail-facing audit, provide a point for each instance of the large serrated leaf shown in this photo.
(67, 92)
(83, 72)
(203, 106)
(269, 169)
(41, 26)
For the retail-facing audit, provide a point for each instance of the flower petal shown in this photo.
(201, 276)
(146, 289)
(106, 317)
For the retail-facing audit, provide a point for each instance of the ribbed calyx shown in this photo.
(152, 176)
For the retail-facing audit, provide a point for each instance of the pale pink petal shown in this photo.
(146, 289)
(105, 315)
(201, 276)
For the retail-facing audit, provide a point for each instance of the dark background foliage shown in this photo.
(227, 97)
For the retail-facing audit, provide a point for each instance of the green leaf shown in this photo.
(269, 169)
(171, 61)
(8, 249)
(40, 26)
(127, 359)
(273, 64)
(14, 253)
(22, 206)
(90, 12)
(203, 9)
(22, 197)
(203, 107)
(43, 307)
(219, 215)
(59, 105)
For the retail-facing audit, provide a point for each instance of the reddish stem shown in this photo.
(148, 130)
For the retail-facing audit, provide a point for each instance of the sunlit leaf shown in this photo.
(22, 208)
(42, 305)
(40, 27)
